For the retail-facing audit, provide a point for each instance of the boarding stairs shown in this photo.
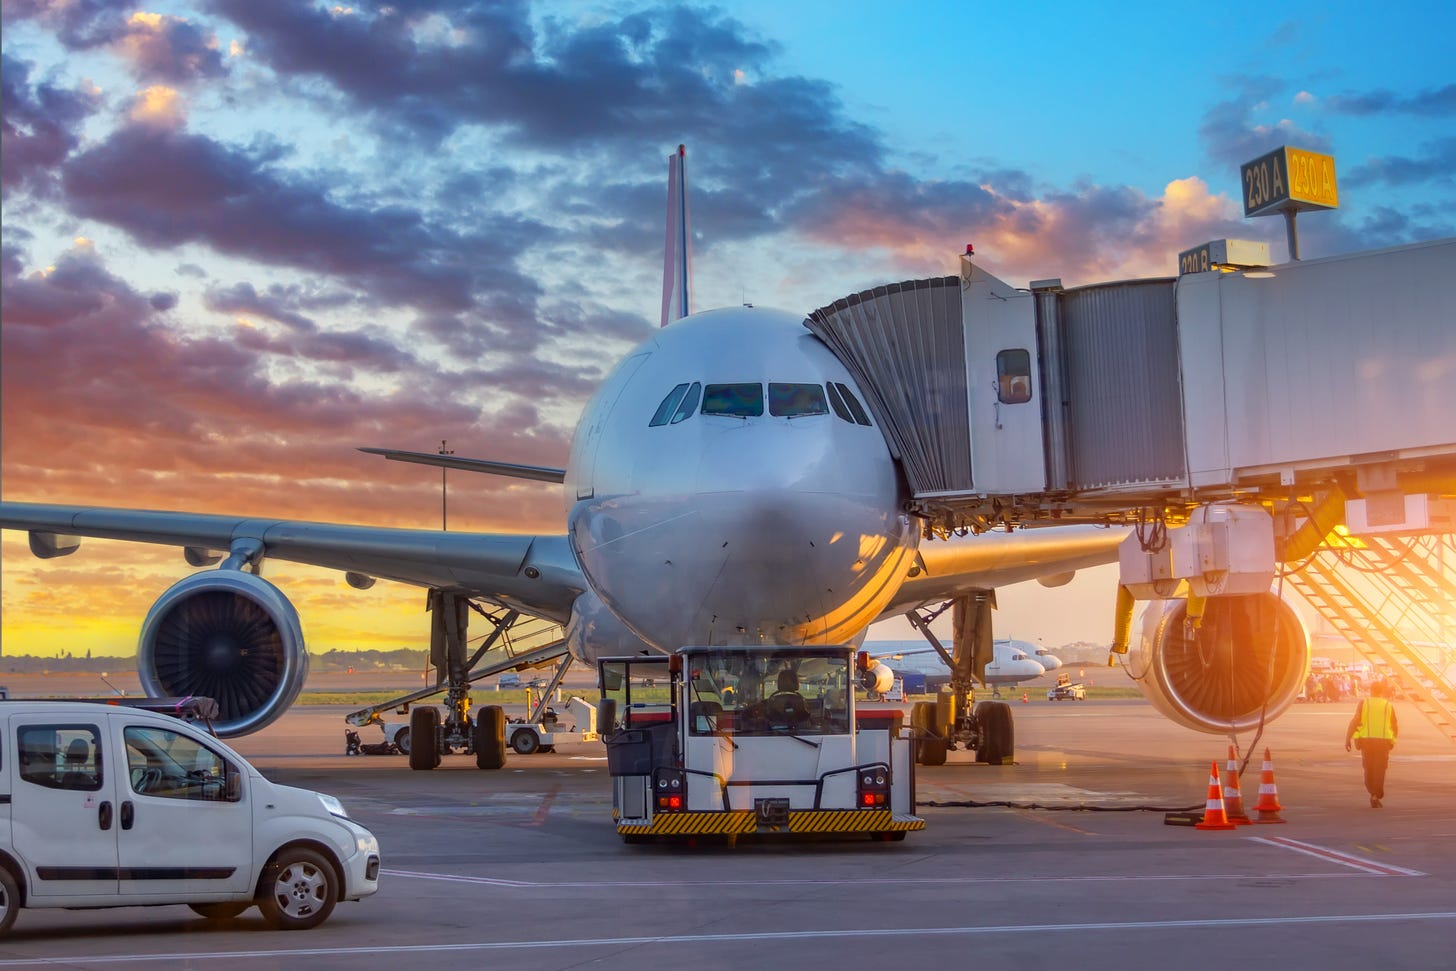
(515, 643)
(1391, 598)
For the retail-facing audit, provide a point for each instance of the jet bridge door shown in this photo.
(1003, 383)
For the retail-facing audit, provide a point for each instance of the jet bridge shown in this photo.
(1248, 424)
(1010, 406)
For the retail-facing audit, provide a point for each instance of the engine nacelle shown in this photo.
(226, 635)
(878, 677)
(1217, 678)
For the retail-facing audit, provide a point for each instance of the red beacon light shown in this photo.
(970, 249)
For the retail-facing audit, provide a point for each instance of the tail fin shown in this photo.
(677, 261)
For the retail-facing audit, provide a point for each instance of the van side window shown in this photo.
(176, 766)
(61, 756)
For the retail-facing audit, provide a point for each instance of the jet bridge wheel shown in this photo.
(424, 750)
(490, 737)
(998, 733)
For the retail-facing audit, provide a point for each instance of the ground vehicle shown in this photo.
(112, 806)
(1067, 692)
(752, 739)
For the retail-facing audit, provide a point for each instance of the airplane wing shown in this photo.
(960, 565)
(496, 567)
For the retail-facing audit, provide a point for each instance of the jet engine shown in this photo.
(226, 635)
(1249, 657)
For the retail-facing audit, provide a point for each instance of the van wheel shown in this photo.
(299, 890)
(221, 911)
(9, 900)
(424, 751)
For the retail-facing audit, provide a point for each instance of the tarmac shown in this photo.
(522, 868)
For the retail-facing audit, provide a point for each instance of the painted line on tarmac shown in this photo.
(857, 881)
(736, 938)
(1335, 856)
(544, 809)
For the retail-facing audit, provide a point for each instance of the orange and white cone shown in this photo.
(1233, 796)
(1268, 805)
(1213, 814)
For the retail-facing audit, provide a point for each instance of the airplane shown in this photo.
(725, 484)
(1012, 662)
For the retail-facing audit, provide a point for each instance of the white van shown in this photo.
(110, 806)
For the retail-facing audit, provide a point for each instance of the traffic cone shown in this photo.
(1213, 814)
(1024, 698)
(1268, 805)
(1233, 796)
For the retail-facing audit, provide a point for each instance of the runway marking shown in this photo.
(717, 884)
(1048, 821)
(544, 809)
(737, 937)
(1335, 856)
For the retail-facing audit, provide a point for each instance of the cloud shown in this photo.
(157, 47)
(169, 49)
(1430, 103)
(169, 188)
(158, 107)
(1435, 163)
(127, 404)
(1231, 134)
(39, 126)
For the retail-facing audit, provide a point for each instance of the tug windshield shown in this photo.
(743, 693)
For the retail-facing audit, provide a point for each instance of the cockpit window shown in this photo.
(668, 407)
(739, 400)
(689, 403)
(796, 400)
(852, 403)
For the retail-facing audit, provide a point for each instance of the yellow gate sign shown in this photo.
(1289, 179)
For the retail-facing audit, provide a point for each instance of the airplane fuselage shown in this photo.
(726, 485)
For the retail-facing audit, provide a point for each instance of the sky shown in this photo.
(241, 237)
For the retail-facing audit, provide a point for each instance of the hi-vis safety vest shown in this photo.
(1375, 720)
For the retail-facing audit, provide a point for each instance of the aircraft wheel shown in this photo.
(998, 733)
(490, 737)
(424, 751)
(930, 748)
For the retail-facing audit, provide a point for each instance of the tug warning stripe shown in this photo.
(801, 821)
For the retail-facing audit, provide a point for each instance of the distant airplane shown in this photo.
(1012, 663)
(726, 484)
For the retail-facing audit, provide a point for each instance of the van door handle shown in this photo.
(128, 814)
(103, 815)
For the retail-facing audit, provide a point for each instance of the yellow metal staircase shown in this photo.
(1393, 599)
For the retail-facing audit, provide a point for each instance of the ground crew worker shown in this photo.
(1374, 729)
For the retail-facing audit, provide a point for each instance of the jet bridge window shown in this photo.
(846, 405)
(796, 400)
(679, 404)
(737, 400)
(1013, 376)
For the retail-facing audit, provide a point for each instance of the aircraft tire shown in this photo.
(998, 733)
(490, 737)
(424, 750)
(930, 748)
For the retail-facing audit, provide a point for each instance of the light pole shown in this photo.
(444, 522)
